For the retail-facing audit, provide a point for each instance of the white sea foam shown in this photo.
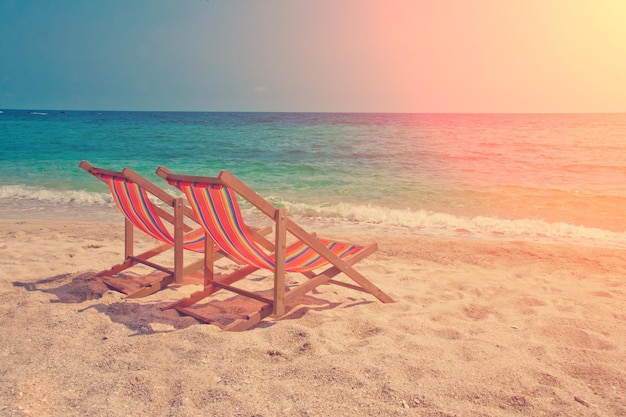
(22, 201)
(19, 192)
(443, 224)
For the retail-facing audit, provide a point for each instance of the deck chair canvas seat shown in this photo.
(214, 202)
(130, 191)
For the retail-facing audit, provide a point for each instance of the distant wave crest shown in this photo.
(382, 219)
(53, 196)
(434, 223)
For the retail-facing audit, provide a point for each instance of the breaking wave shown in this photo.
(442, 224)
(22, 192)
(344, 216)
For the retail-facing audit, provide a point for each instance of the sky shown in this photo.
(422, 56)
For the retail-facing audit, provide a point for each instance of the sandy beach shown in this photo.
(480, 328)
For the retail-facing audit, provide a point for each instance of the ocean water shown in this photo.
(539, 177)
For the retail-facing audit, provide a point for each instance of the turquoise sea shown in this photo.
(539, 177)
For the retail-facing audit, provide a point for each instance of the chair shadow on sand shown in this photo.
(73, 289)
(148, 318)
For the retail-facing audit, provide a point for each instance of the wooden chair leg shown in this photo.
(128, 238)
(178, 240)
(279, 264)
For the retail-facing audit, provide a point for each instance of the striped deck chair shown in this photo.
(214, 202)
(130, 191)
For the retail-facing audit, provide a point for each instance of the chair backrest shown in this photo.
(132, 199)
(217, 209)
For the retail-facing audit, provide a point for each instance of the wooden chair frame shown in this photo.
(275, 306)
(176, 218)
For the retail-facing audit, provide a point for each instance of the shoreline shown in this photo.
(435, 225)
(478, 328)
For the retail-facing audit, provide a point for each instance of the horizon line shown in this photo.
(61, 110)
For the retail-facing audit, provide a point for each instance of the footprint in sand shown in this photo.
(574, 337)
(477, 311)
